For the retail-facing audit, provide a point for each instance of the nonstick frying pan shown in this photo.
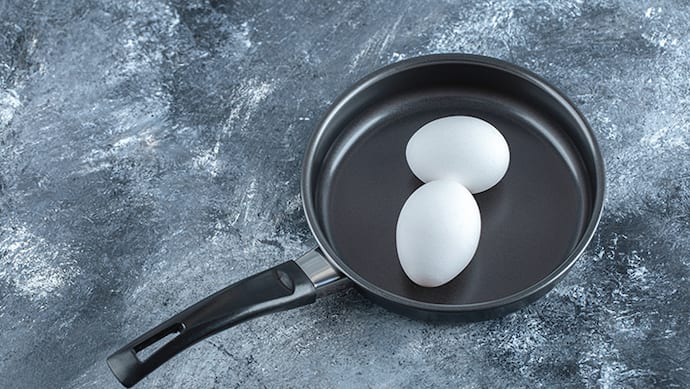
(535, 223)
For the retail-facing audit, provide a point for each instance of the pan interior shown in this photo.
(531, 221)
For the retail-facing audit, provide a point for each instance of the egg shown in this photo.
(437, 232)
(459, 148)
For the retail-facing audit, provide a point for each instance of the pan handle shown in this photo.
(288, 285)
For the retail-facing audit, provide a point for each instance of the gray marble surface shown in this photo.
(150, 151)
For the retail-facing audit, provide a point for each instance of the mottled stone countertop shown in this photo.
(150, 152)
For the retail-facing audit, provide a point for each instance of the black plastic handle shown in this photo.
(282, 287)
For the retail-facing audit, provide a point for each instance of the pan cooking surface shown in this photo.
(531, 221)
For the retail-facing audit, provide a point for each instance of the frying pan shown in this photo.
(535, 223)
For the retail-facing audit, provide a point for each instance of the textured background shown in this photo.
(149, 155)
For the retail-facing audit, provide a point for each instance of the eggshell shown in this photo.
(464, 149)
(437, 232)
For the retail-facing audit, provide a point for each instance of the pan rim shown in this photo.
(460, 59)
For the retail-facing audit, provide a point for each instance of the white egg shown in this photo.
(459, 148)
(437, 232)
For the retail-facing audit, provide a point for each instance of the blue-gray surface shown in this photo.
(150, 151)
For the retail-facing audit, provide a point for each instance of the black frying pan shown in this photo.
(535, 223)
